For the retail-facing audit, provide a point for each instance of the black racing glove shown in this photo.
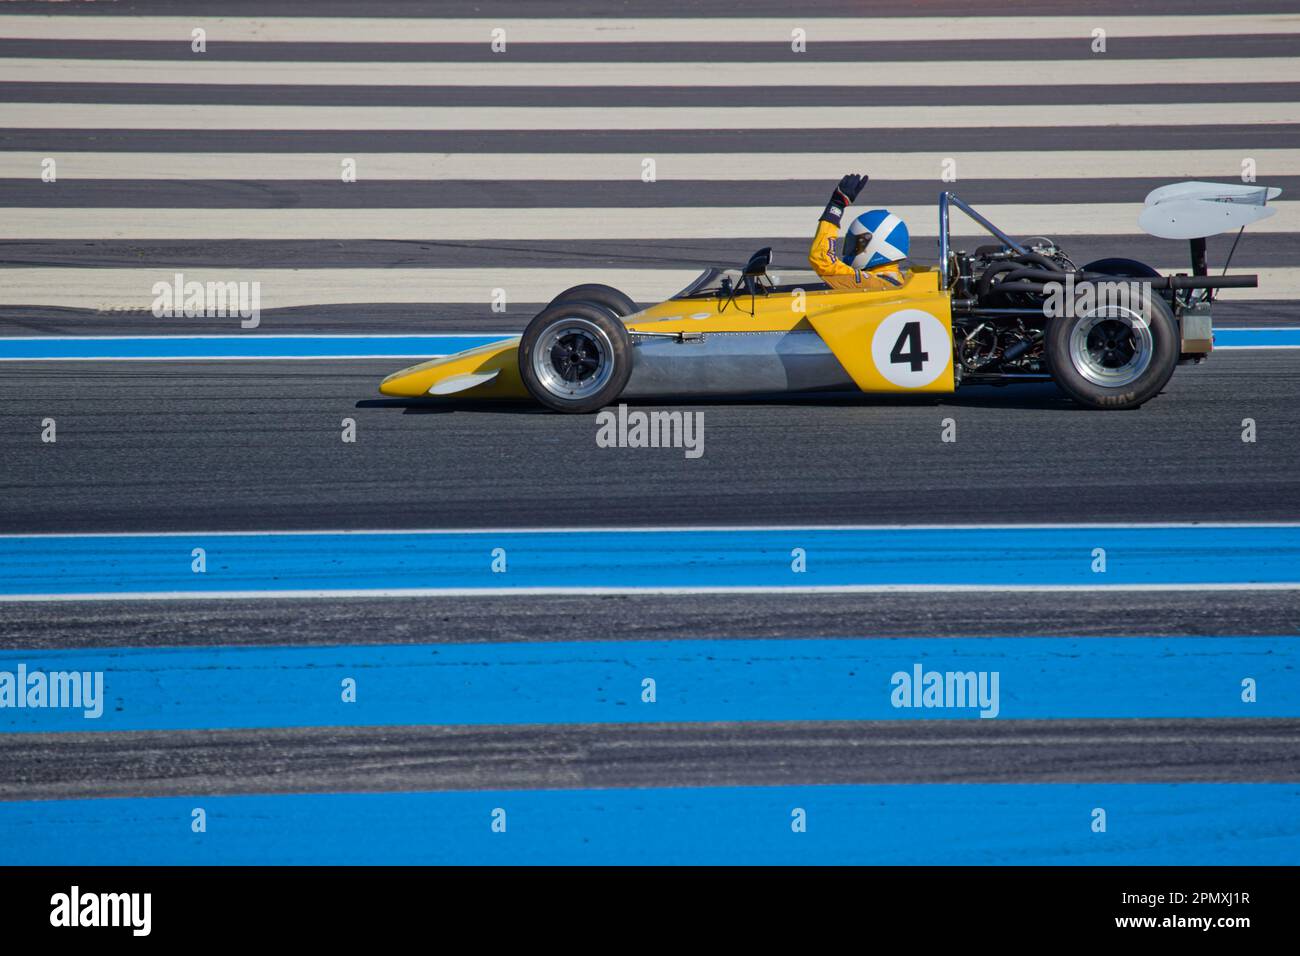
(843, 197)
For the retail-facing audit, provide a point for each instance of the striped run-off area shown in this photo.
(468, 638)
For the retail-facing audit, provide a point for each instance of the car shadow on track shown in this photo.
(1043, 397)
(445, 406)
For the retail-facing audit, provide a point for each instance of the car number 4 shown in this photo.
(910, 348)
(909, 338)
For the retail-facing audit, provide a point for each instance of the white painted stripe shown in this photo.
(132, 289)
(721, 589)
(672, 529)
(575, 223)
(121, 289)
(799, 71)
(639, 118)
(647, 30)
(716, 167)
(485, 118)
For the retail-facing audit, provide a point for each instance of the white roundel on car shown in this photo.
(911, 348)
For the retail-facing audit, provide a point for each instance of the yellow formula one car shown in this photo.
(992, 316)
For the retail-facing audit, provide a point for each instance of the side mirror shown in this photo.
(758, 263)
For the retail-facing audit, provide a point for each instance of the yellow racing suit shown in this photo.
(839, 274)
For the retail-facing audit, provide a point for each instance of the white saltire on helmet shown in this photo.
(875, 238)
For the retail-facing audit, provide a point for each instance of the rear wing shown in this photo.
(1195, 211)
(1198, 210)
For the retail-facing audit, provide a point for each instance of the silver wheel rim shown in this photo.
(1111, 346)
(573, 358)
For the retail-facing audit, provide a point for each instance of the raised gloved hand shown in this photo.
(845, 193)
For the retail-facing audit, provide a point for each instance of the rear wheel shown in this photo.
(575, 357)
(1114, 356)
(1129, 269)
(1114, 266)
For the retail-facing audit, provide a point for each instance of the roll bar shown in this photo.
(945, 198)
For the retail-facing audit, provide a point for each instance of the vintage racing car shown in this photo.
(1109, 334)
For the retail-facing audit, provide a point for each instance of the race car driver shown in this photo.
(875, 243)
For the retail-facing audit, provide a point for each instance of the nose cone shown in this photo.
(490, 371)
(408, 383)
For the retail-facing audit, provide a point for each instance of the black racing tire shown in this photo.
(1112, 357)
(575, 357)
(1128, 268)
(605, 296)
(1115, 266)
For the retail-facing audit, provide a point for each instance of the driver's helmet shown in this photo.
(875, 238)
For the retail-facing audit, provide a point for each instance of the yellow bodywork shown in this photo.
(847, 320)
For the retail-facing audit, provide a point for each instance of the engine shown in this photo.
(998, 307)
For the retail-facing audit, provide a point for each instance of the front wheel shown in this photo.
(593, 293)
(1114, 356)
(575, 357)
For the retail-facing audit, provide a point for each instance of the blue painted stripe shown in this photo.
(694, 680)
(738, 557)
(242, 346)
(1257, 338)
(254, 346)
(1018, 824)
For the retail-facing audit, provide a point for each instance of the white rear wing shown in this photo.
(1196, 210)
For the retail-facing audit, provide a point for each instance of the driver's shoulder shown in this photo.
(893, 273)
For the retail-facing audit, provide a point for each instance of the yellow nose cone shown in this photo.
(405, 384)
(489, 371)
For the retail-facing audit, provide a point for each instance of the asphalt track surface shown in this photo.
(228, 445)
(225, 446)
(425, 620)
(314, 760)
